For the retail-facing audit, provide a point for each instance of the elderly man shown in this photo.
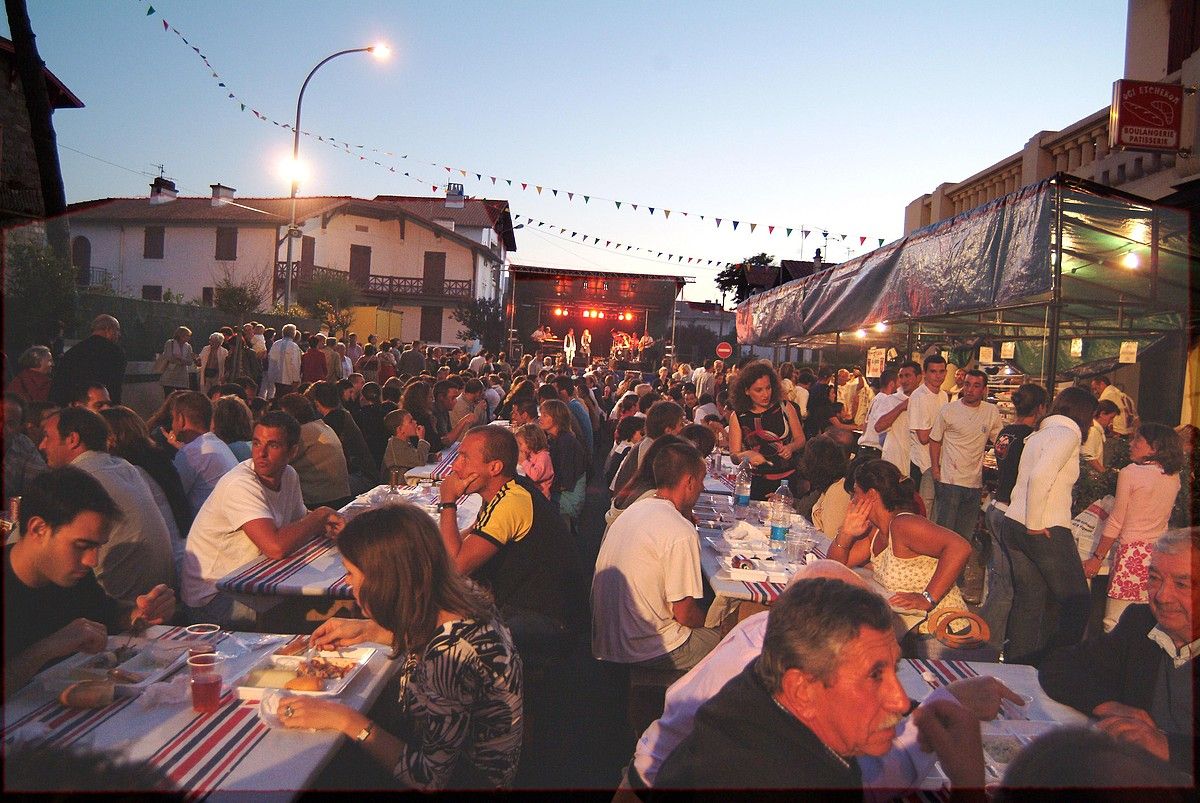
(53, 606)
(902, 767)
(1140, 678)
(647, 585)
(283, 364)
(255, 510)
(518, 546)
(138, 554)
(96, 358)
(822, 694)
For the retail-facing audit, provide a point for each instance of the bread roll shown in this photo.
(87, 694)
(306, 683)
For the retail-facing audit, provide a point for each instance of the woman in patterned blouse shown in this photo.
(458, 722)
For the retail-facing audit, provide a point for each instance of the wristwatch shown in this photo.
(929, 598)
(447, 506)
(365, 733)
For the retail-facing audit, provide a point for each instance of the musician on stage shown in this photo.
(585, 346)
(569, 347)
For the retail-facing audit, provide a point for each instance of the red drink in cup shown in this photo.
(206, 682)
(203, 639)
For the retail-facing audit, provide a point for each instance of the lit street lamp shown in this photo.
(379, 51)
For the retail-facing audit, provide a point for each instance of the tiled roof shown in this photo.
(475, 211)
(244, 211)
(60, 96)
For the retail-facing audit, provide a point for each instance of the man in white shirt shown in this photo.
(647, 585)
(959, 436)
(203, 458)
(923, 406)
(138, 554)
(283, 364)
(1125, 421)
(256, 510)
(893, 423)
(871, 441)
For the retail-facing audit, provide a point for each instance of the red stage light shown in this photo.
(558, 311)
(601, 314)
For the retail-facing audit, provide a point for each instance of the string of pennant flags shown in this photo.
(371, 155)
(618, 247)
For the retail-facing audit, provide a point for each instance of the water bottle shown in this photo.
(781, 516)
(741, 489)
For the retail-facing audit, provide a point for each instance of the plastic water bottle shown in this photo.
(782, 506)
(741, 489)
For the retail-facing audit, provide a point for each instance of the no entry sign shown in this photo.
(724, 350)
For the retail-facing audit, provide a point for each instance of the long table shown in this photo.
(436, 470)
(228, 752)
(315, 569)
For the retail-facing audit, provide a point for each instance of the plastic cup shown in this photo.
(794, 548)
(206, 682)
(203, 638)
(395, 479)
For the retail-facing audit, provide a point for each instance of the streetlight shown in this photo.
(380, 51)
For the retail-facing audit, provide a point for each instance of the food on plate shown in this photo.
(121, 676)
(305, 683)
(742, 563)
(1002, 748)
(294, 647)
(122, 654)
(88, 694)
(326, 668)
(271, 677)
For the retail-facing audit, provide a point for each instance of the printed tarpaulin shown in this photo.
(988, 257)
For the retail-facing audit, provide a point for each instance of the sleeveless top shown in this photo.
(911, 575)
(765, 432)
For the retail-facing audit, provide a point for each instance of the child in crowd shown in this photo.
(630, 431)
(407, 448)
(535, 457)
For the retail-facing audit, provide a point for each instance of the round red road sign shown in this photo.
(724, 350)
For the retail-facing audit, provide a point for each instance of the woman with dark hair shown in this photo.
(417, 399)
(823, 463)
(913, 558)
(1036, 530)
(458, 721)
(233, 423)
(1146, 491)
(521, 391)
(570, 458)
(765, 430)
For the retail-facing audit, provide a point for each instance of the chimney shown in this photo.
(221, 194)
(162, 190)
(454, 196)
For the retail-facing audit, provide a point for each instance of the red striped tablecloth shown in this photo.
(764, 592)
(938, 673)
(443, 466)
(201, 754)
(267, 576)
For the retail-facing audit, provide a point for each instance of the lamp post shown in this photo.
(380, 51)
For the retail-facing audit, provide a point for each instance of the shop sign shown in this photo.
(1145, 116)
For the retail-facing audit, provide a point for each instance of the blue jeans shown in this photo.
(998, 597)
(956, 508)
(1047, 575)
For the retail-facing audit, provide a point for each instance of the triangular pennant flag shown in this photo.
(509, 180)
(222, 83)
(618, 203)
(528, 220)
(666, 213)
(842, 237)
(539, 190)
(231, 97)
(718, 222)
(464, 172)
(861, 240)
(493, 178)
(770, 229)
(679, 258)
(149, 11)
(243, 105)
(702, 217)
(804, 233)
(630, 246)
(880, 242)
(660, 254)
(607, 243)
(587, 198)
(479, 177)
(789, 233)
(651, 208)
(555, 193)
(574, 233)
(670, 256)
(562, 231)
(634, 207)
(167, 27)
(596, 240)
(735, 225)
(447, 168)
(391, 170)
(683, 213)
(753, 226)
(570, 196)
(689, 260)
(540, 224)
(524, 186)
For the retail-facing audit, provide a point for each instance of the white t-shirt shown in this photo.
(649, 558)
(964, 432)
(217, 544)
(923, 408)
(881, 405)
(896, 444)
(1120, 422)
(201, 464)
(800, 397)
(703, 410)
(1093, 447)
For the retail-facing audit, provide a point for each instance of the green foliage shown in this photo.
(337, 319)
(239, 297)
(171, 297)
(294, 311)
(733, 279)
(39, 289)
(484, 319)
(338, 291)
(694, 343)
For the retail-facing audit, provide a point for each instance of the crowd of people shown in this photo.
(125, 519)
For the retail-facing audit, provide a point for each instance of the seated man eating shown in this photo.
(53, 606)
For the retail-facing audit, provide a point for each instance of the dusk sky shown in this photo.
(793, 115)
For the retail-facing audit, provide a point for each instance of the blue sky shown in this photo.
(800, 115)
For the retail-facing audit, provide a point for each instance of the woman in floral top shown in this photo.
(458, 722)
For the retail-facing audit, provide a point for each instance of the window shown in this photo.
(226, 243)
(362, 228)
(153, 246)
(207, 295)
(152, 292)
(431, 324)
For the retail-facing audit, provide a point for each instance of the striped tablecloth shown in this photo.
(267, 576)
(938, 673)
(764, 592)
(228, 751)
(435, 471)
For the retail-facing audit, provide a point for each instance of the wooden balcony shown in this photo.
(378, 288)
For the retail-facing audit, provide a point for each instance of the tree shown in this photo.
(735, 278)
(331, 298)
(239, 297)
(39, 291)
(484, 319)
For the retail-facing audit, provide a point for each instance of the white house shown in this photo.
(399, 257)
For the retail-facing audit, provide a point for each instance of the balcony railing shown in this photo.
(379, 286)
(94, 277)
